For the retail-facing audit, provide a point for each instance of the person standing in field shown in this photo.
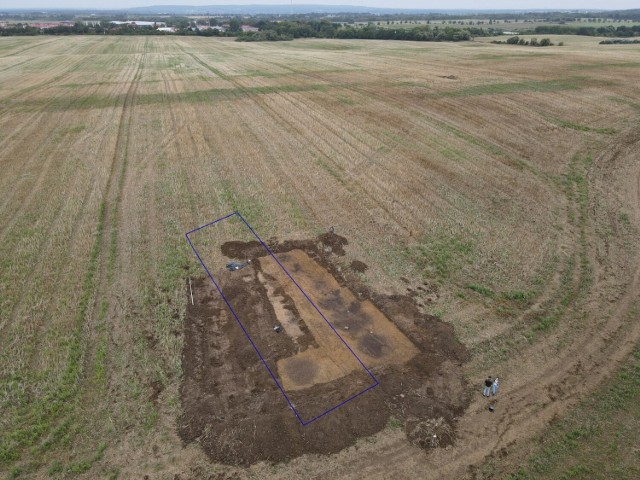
(488, 383)
(496, 385)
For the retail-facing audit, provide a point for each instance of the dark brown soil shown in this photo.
(358, 266)
(233, 408)
(333, 243)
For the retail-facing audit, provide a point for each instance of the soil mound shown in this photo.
(333, 242)
(358, 266)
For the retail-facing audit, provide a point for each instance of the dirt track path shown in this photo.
(552, 381)
(563, 378)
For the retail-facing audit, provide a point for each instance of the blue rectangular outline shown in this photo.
(304, 424)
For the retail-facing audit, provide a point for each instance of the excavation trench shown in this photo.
(233, 408)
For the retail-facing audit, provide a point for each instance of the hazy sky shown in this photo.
(434, 4)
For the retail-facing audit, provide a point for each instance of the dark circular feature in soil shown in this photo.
(374, 345)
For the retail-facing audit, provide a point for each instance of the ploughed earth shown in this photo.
(326, 339)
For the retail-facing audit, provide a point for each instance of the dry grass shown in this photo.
(112, 148)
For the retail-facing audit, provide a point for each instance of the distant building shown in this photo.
(45, 25)
(139, 23)
(167, 29)
(217, 28)
(249, 28)
(510, 33)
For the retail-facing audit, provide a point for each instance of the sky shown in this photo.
(434, 4)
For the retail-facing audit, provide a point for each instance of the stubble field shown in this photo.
(496, 186)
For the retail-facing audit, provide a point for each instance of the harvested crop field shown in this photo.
(488, 198)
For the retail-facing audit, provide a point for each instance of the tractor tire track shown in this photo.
(591, 359)
(41, 44)
(55, 162)
(113, 214)
(33, 158)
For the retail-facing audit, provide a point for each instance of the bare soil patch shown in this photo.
(234, 409)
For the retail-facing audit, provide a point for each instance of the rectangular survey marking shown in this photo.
(311, 363)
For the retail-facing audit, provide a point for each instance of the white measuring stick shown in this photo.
(191, 290)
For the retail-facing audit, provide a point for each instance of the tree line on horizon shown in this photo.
(278, 30)
(608, 31)
(269, 31)
(289, 30)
